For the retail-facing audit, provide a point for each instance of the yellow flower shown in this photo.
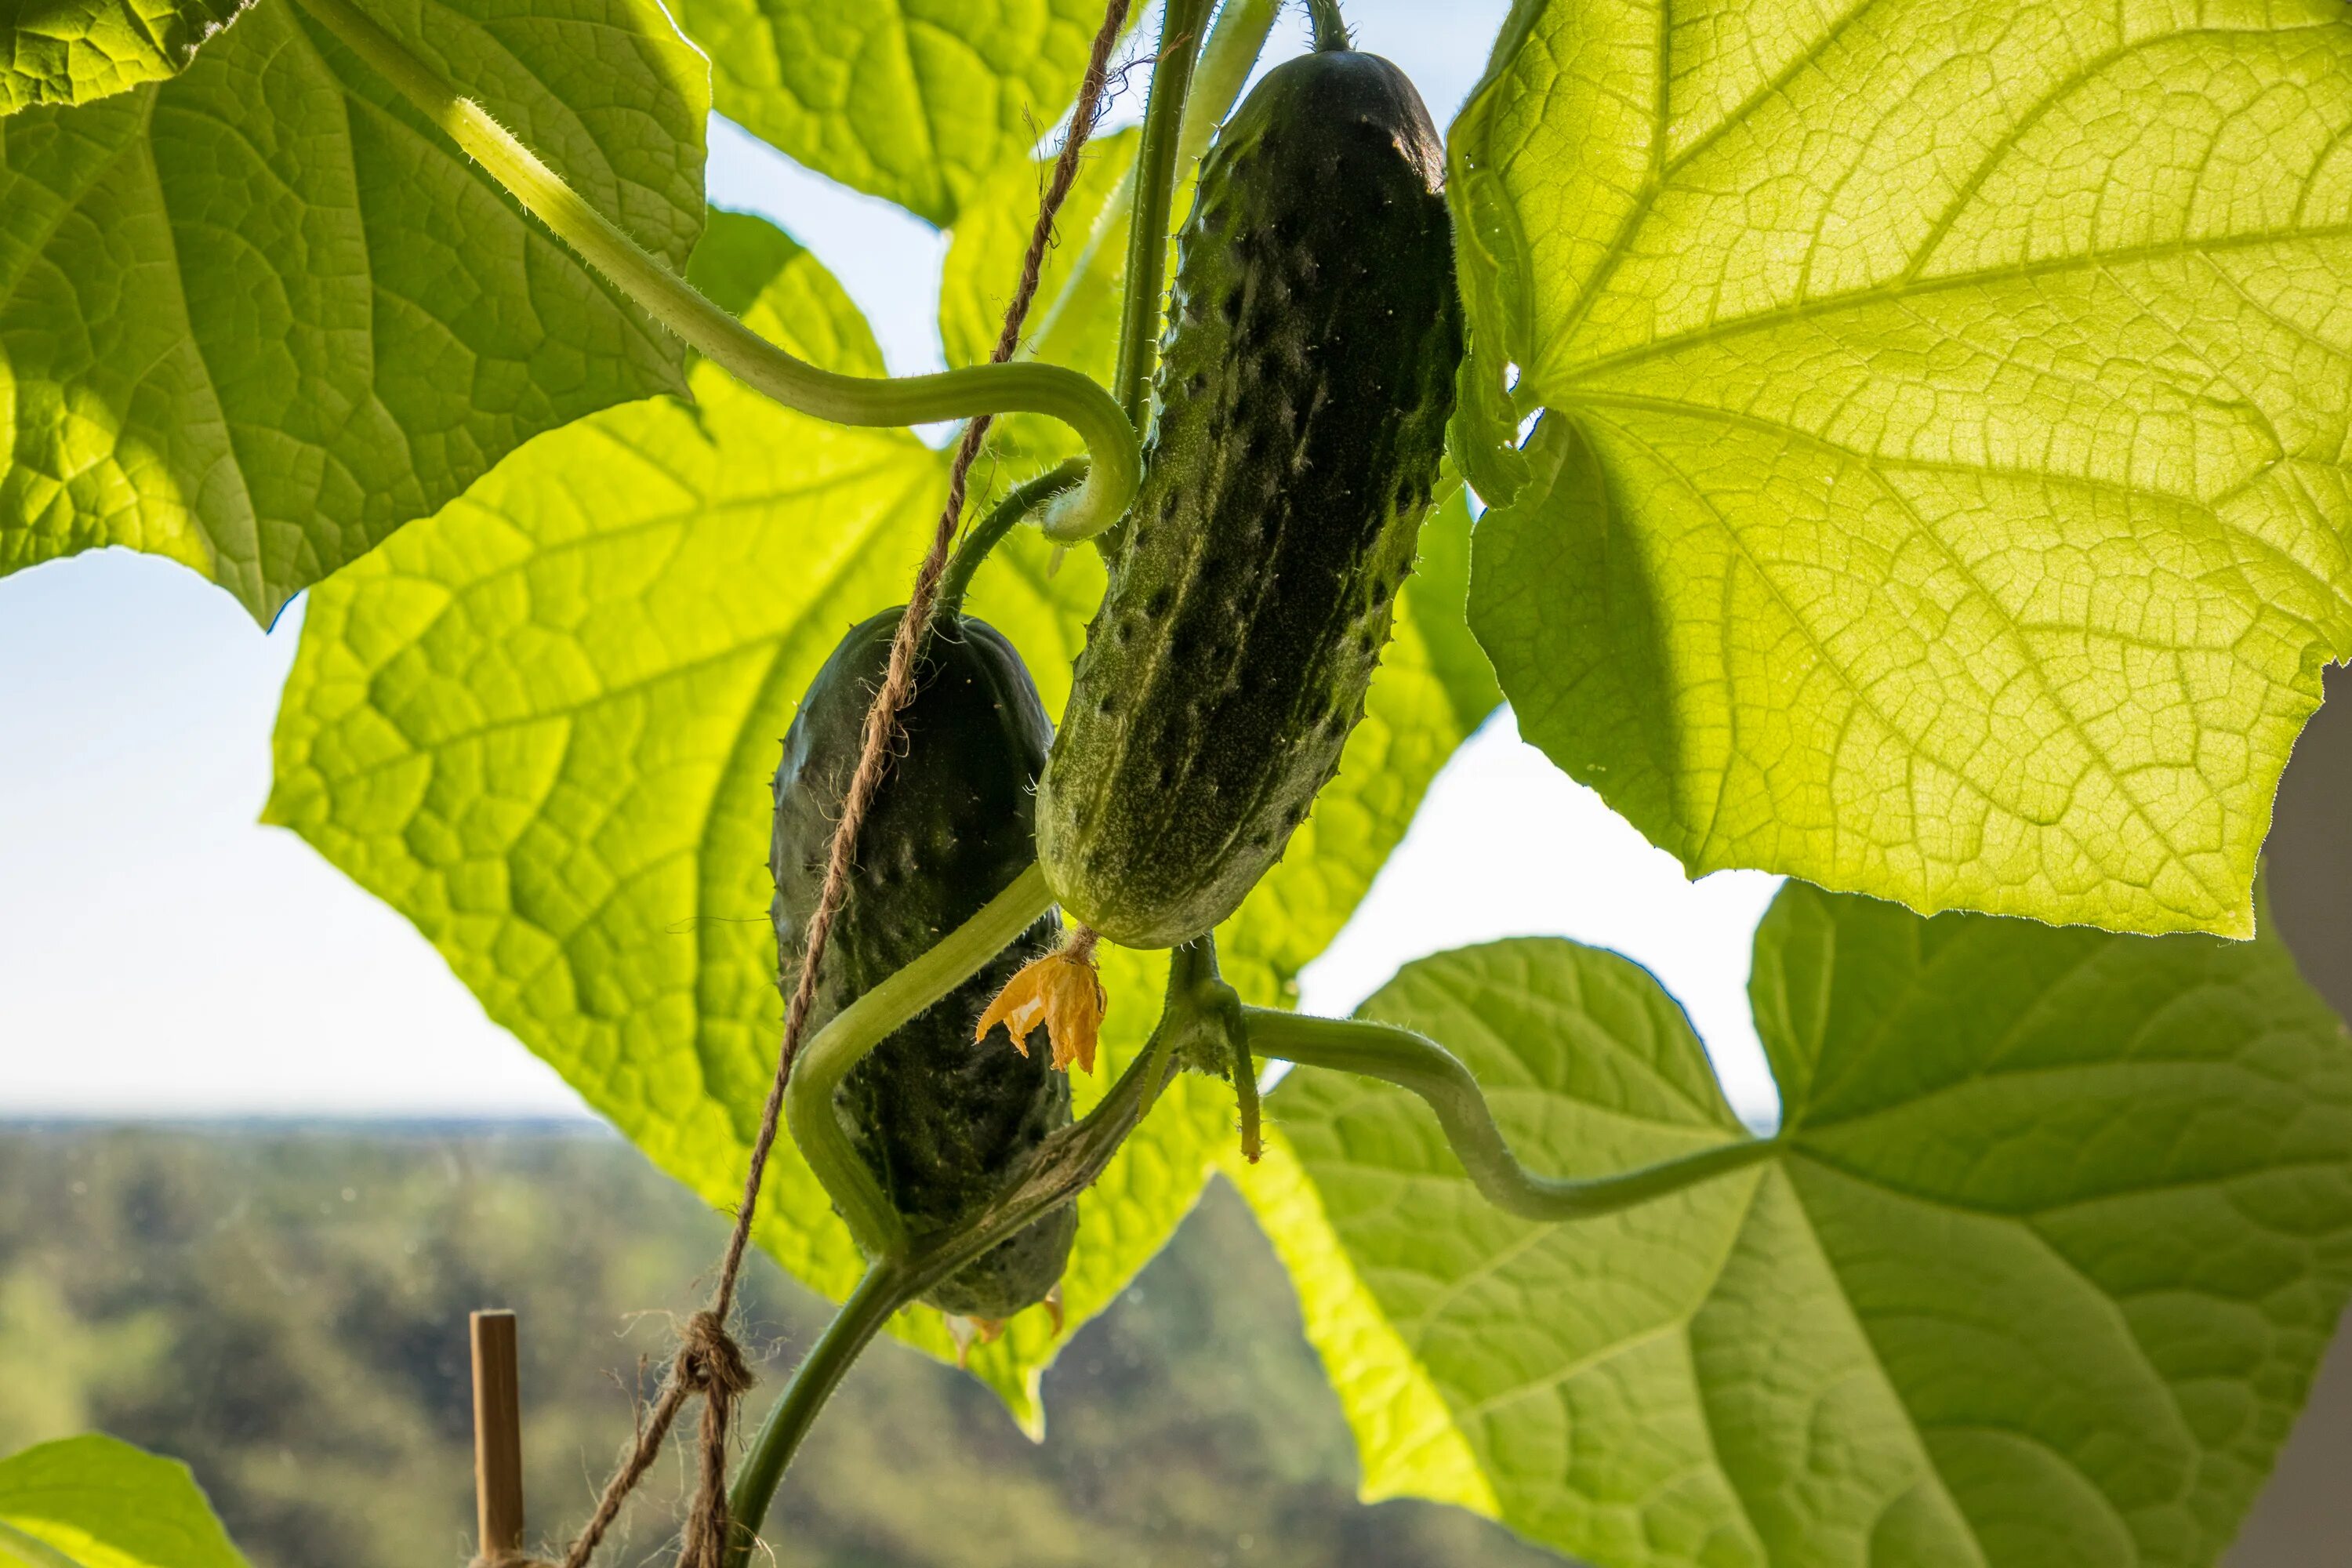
(1060, 990)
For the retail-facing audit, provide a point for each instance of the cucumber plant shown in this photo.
(1907, 454)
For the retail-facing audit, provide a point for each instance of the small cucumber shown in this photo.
(935, 1118)
(1303, 393)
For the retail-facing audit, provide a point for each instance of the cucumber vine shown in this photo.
(1350, 290)
(1201, 1021)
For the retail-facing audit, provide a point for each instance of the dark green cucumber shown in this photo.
(935, 1118)
(1307, 378)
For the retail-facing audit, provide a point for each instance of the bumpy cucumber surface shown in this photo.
(935, 1118)
(1305, 380)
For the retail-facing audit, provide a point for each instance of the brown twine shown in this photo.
(709, 1361)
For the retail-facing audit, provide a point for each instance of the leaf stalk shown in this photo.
(1116, 465)
(1417, 1063)
(1146, 236)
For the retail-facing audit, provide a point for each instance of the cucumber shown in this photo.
(935, 1117)
(1303, 392)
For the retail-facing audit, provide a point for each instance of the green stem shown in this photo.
(827, 1056)
(1053, 1174)
(886, 1287)
(973, 548)
(1117, 464)
(1227, 61)
(1411, 1061)
(1330, 27)
(1155, 182)
(1245, 1099)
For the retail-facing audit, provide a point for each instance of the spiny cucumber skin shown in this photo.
(937, 1118)
(1303, 392)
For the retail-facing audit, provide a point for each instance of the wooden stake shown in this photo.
(498, 1436)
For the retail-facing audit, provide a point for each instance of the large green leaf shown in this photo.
(541, 725)
(71, 51)
(92, 1502)
(916, 103)
(1944, 491)
(2057, 1226)
(258, 316)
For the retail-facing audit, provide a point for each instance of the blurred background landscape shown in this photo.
(284, 1308)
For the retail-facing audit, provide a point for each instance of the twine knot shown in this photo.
(708, 1360)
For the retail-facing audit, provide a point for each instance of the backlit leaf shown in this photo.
(2057, 1226)
(915, 101)
(92, 1502)
(1944, 495)
(1074, 319)
(77, 50)
(255, 317)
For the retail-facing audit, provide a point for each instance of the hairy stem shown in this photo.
(1415, 1062)
(990, 531)
(887, 1286)
(1115, 465)
(865, 1023)
(1053, 1174)
(1245, 1099)
(1155, 181)
(1227, 61)
(1330, 27)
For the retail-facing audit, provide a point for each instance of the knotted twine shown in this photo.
(708, 1362)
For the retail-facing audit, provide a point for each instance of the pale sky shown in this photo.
(162, 954)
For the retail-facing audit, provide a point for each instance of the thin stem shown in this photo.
(1411, 1061)
(1330, 27)
(865, 1023)
(1117, 463)
(1245, 1099)
(990, 531)
(886, 1286)
(1227, 61)
(1155, 180)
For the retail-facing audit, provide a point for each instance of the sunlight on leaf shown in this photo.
(914, 102)
(259, 316)
(1945, 494)
(92, 1502)
(2060, 1225)
(84, 49)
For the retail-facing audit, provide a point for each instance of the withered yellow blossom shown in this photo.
(1063, 991)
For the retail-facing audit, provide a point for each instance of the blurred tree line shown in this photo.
(284, 1310)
